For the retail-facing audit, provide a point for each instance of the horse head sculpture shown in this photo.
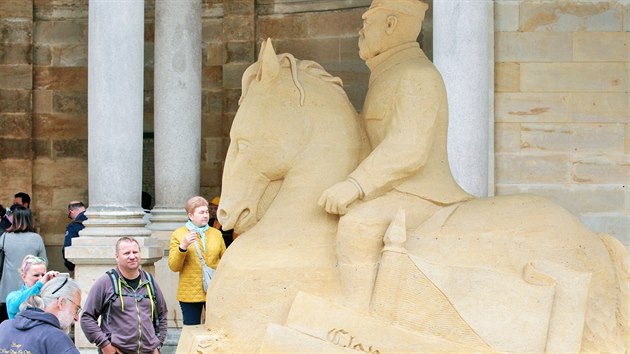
(292, 113)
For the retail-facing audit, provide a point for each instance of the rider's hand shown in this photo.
(337, 198)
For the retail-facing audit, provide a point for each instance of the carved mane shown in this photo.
(285, 60)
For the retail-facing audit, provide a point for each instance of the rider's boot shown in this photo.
(357, 284)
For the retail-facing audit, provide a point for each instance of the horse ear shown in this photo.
(263, 45)
(269, 63)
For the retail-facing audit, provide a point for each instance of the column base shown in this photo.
(168, 280)
(115, 222)
(167, 219)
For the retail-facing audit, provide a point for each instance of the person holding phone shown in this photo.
(189, 244)
(34, 275)
(18, 241)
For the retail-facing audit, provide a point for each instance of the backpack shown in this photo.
(151, 295)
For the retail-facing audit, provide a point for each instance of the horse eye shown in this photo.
(242, 146)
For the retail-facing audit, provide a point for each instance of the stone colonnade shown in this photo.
(115, 128)
(115, 121)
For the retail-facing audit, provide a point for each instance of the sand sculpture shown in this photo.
(440, 271)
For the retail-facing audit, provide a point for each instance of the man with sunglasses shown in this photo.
(43, 324)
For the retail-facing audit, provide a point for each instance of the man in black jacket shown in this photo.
(76, 212)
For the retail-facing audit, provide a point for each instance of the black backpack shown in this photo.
(113, 276)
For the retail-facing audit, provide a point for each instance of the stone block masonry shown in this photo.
(562, 107)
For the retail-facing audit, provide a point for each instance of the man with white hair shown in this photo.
(44, 320)
(406, 118)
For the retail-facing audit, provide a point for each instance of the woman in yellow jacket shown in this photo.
(183, 257)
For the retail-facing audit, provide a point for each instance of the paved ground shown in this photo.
(169, 347)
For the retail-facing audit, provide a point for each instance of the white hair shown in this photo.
(55, 288)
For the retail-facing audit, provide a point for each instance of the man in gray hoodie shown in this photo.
(128, 311)
(45, 320)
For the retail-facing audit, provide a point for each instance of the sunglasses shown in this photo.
(65, 281)
(32, 260)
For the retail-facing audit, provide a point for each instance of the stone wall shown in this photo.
(59, 115)
(16, 82)
(328, 37)
(43, 124)
(562, 106)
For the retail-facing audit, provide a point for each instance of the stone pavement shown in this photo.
(169, 347)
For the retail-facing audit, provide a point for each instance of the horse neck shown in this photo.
(303, 185)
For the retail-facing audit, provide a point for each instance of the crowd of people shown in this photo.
(125, 310)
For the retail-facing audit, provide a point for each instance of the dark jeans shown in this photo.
(191, 311)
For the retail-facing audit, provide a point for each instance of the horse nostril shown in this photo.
(222, 214)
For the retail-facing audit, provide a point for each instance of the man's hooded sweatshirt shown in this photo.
(35, 331)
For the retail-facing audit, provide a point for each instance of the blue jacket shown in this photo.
(16, 298)
(35, 331)
(72, 231)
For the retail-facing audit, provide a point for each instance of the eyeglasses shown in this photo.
(79, 308)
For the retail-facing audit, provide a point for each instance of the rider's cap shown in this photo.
(414, 8)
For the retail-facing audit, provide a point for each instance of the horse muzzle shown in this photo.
(239, 221)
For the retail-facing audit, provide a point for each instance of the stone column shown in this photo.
(115, 118)
(463, 51)
(177, 109)
(115, 124)
(177, 119)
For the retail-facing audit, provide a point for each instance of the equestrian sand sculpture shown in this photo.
(413, 264)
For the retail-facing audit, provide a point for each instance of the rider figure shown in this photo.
(406, 118)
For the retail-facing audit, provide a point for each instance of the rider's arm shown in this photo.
(409, 137)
